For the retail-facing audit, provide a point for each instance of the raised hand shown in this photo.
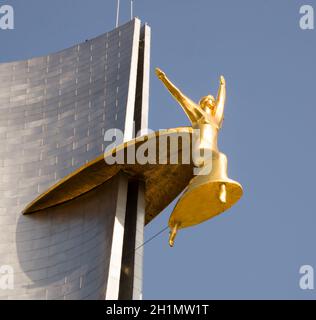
(222, 80)
(160, 74)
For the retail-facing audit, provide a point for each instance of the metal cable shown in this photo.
(153, 237)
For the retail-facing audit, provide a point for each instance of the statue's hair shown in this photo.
(206, 98)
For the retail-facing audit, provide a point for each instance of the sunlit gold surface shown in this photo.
(208, 110)
(207, 195)
(163, 182)
(203, 198)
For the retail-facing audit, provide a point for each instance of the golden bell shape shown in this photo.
(206, 196)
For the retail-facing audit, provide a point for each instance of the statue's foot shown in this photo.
(173, 234)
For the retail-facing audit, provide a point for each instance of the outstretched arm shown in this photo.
(190, 108)
(220, 102)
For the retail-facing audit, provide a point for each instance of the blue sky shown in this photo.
(254, 250)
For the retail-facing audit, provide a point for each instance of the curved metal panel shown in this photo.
(54, 112)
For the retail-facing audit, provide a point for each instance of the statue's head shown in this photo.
(208, 102)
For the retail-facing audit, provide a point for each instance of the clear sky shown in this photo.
(254, 250)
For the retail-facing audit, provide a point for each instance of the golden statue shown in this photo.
(207, 195)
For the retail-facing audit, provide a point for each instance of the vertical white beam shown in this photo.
(141, 205)
(139, 240)
(146, 79)
(113, 283)
(130, 108)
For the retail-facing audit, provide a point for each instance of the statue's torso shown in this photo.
(207, 136)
